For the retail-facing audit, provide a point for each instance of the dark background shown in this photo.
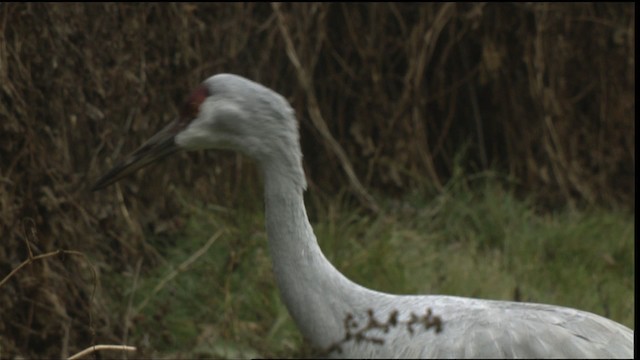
(541, 93)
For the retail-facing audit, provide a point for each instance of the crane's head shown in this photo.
(225, 112)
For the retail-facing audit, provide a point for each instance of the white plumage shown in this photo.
(231, 112)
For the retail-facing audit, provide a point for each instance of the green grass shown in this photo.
(480, 242)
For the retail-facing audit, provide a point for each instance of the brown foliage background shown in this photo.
(541, 92)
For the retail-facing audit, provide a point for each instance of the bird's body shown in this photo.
(230, 112)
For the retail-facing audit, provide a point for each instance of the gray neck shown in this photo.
(317, 295)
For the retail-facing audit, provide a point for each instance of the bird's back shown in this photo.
(476, 328)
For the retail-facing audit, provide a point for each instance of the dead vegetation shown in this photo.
(387, 95)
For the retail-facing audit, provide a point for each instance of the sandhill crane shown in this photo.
(230, 112)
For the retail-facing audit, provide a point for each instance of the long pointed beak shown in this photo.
(159, 146)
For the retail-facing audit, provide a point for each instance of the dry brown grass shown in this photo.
(543, 92)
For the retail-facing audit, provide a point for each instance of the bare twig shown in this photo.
(181, 268)
(31, 258)
(475, 108)
(95, 348)
(316, 116)
(127, 316)
(28, 222)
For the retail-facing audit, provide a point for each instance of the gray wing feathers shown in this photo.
(495, 329)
